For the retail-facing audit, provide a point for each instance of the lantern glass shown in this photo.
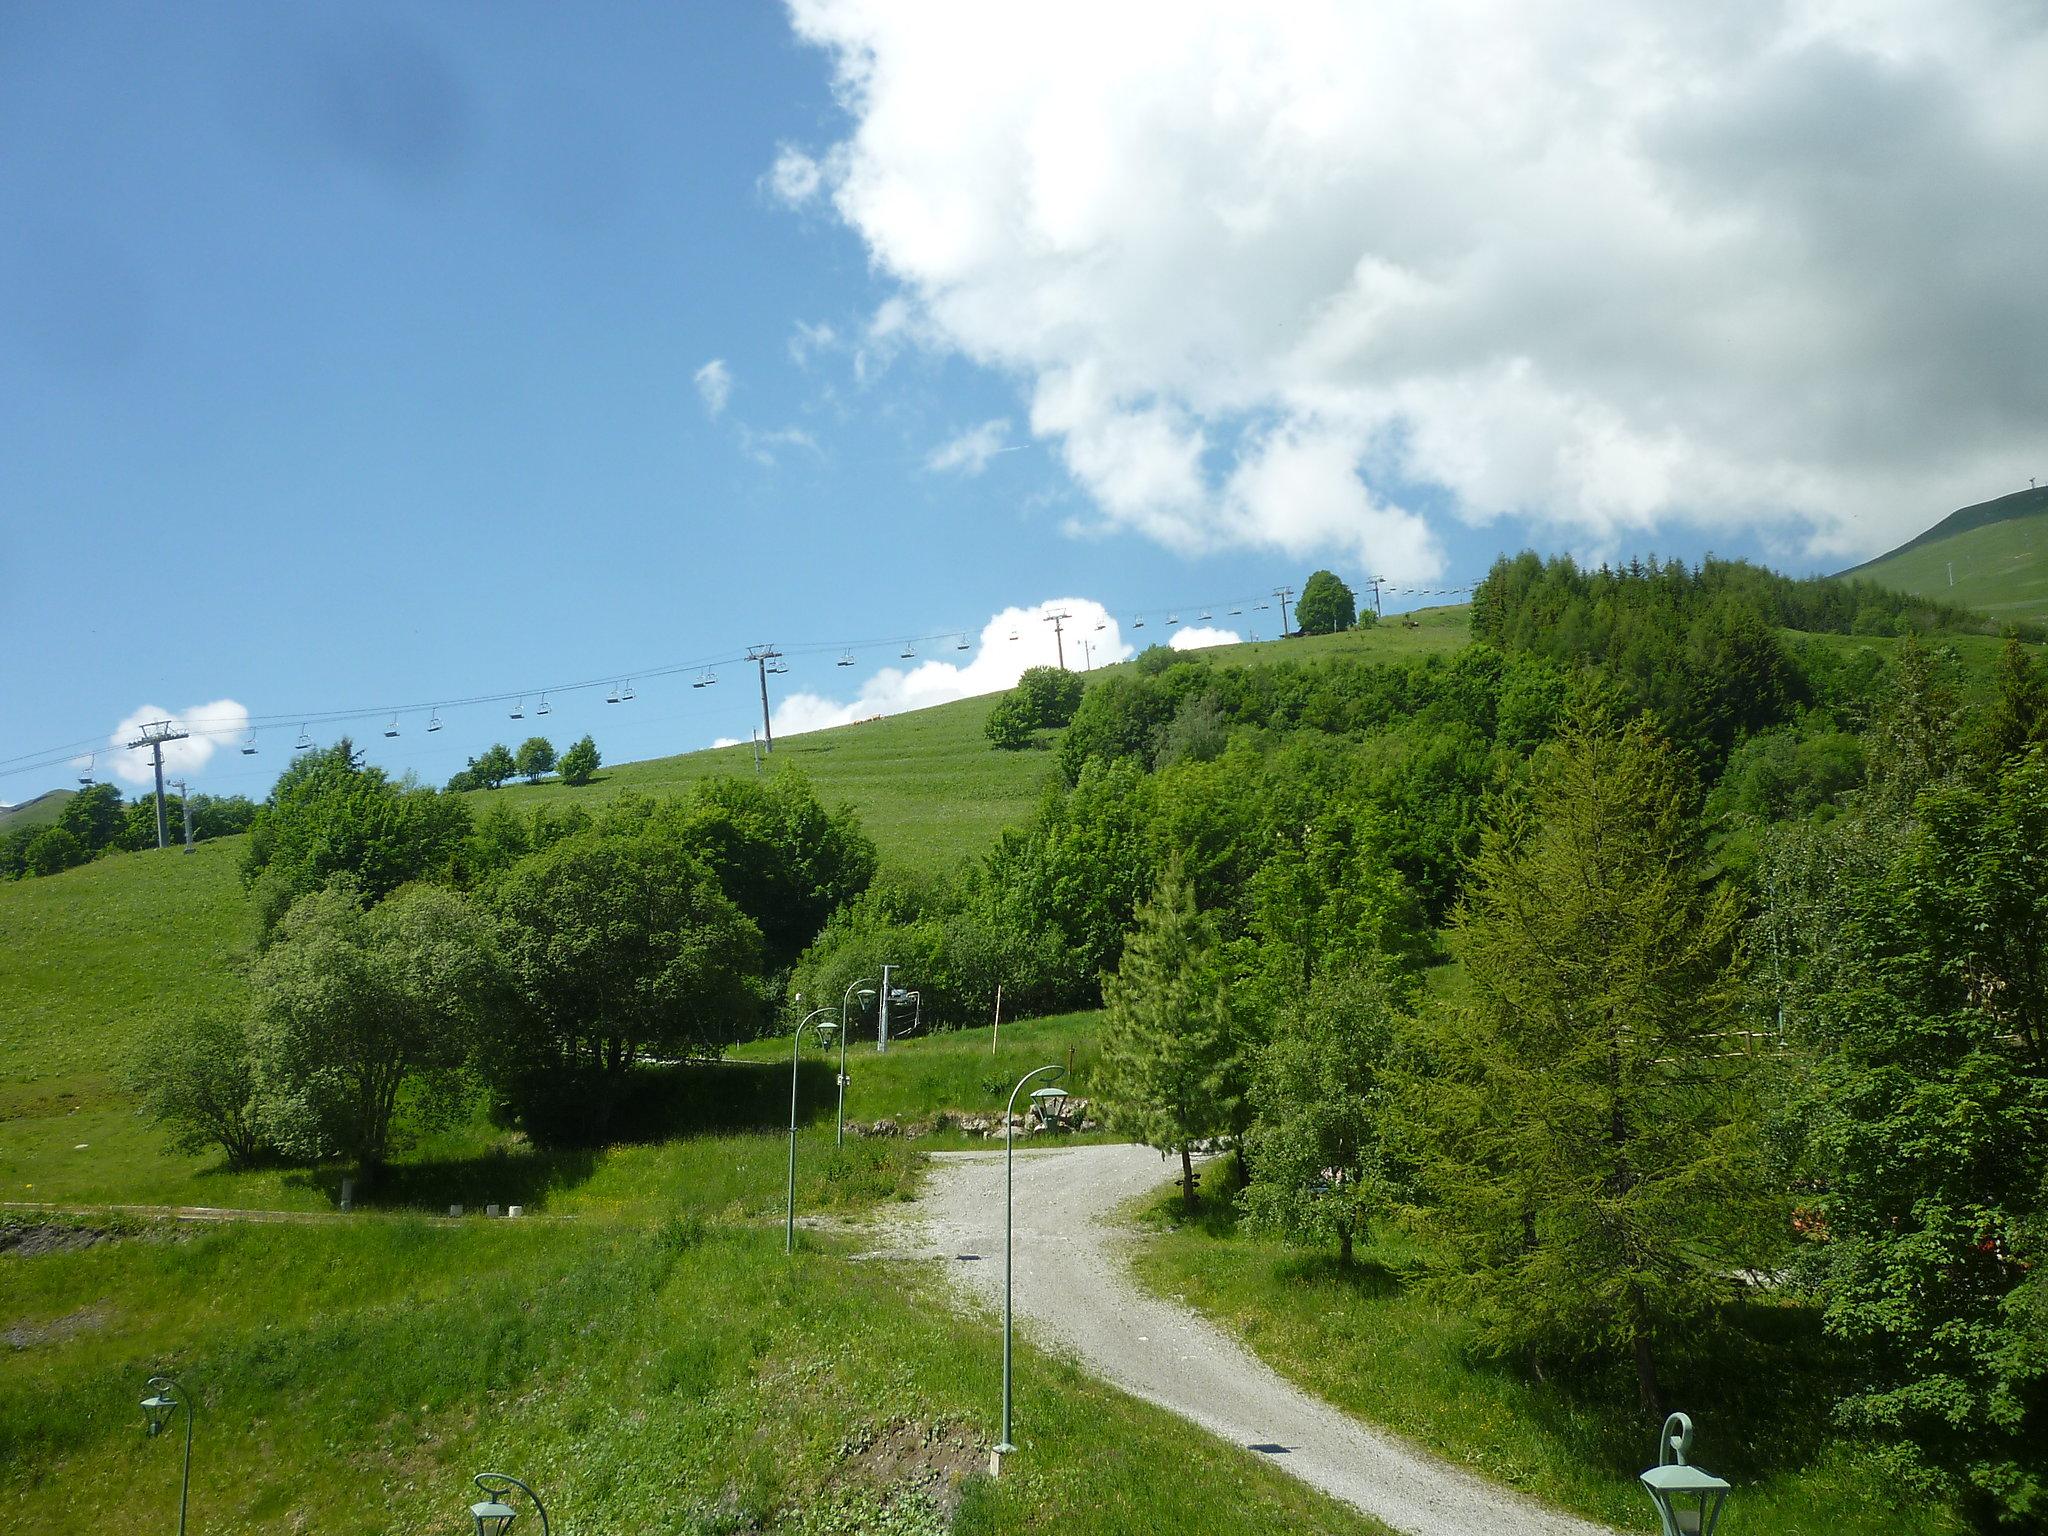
(158, 1409)
(492, 1518)
(1051, 1103)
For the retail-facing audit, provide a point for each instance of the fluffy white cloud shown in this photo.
(1009, 642)
(714, 385)
(795, 177)
(209, 728)
(1199, 637)
(1277, 276)
(969, 453)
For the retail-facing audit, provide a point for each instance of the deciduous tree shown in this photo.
(1326, 605)
(535, 758)
(580, 763)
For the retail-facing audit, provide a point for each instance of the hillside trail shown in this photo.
(1074, 1291)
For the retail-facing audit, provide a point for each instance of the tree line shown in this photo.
(98, 821)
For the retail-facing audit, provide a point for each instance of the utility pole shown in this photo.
(1375, 584)
(1058, 623)
(1283, 593)
(153, 736)
(760, 656)
(1087, 656)
(185, 801)
(882, 1014)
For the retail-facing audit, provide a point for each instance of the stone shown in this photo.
(515, 1210)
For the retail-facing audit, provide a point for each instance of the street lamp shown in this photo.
(1053, 1106)
(165, 1398)
(1004, 1447)
(795, 1046)
(1673, 1484)
(493, 1516)
(867, 991)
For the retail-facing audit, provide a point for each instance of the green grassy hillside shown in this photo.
(1992, 557)
(39, 812)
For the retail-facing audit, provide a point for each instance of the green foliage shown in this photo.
(1052, 693)
(2018, 717)
(535, 759)
(1910, 943)
(1010, 723)
(1169, 1057)
(580, 763)
(1322, 1168)
(1586, 1131)
(1326, 605)
(51, 851)
(1787, 774)
(621, 944)
(93, 816)
(330, 815)
(196, 1075)
(354, 1007)
(492, 768)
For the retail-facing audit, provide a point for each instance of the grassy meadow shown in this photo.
(1369, 1342)
(1997, 568)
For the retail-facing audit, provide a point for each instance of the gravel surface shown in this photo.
(1074, 1291)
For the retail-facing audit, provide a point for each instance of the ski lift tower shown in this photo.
(153, 736)
(885, 995)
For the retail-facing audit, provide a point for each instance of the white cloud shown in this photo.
(969, 453)
(795, 177)
(725, 741)
(208, 728)
(1276, 278)
(994, 663)
(765, 447)
(1198, 638)
(806, 341)
(714, 385)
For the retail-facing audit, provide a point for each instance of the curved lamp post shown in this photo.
(493, 1516)
(1004, 1447)
(165, 1398)
(795, 1046)
(867, 990)
(1673, 1484)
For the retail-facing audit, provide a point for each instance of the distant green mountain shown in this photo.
(39, 812)
(1992, 558)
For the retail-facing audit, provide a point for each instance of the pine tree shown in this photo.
(1584, 1122)
(1168, 1060)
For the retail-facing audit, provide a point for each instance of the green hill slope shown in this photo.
(1992, 557)
(39, 812)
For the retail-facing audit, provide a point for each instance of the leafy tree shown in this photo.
(1586, 1131)
(1052, 693)
(197, 1077)
(1167, 1051)
(1009, 723)
(1318, 1147)
(494, 767)
(53, 850)
(621, 945)
(1197, 733)
(2018, 717)
(330, 815)
(14, 843)
(93, 816)
(1915, 960)
(580, 763)
(354, 1007)
(1326, 605)
(535, 759)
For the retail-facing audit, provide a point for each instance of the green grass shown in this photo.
(1997, 554)
(1757, 1385)
(686, 1378)
(39, 812)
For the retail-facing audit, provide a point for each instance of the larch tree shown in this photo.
(1584, 1123)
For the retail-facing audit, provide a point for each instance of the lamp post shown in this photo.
(165, 1398)
(1004, 1447)
(493, 1516)
(796, 1046)
(867, 990)
(1673, 1484)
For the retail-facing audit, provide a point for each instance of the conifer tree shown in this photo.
(1586, 1129)
(1168, 1061)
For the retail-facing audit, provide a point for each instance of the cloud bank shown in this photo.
(1285, 278)
(995, 663)
(211, 727)
(1198, 637)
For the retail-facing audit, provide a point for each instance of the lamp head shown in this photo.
(157, 1409)
(492, 1518)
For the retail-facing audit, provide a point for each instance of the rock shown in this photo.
(885, 1128)
(974, 1125)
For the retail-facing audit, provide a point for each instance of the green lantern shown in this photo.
(493, 1516)
(1689, 1499)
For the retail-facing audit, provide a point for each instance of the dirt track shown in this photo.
(1074, 1290)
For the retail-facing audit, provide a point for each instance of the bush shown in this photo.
(51, 850)
(580, 763)
(197, 1078)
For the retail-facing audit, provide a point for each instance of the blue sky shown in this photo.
(354, 356)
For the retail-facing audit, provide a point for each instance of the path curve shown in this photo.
(1074, 1289)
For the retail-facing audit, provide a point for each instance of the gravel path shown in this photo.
(1074, 1290)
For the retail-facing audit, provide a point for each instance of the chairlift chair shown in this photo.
(1237, 610)
(846, 660)
(392, 728)
(434, 721)
(249, 745)
(1013, 634)
(1137, 623)
(626, 695)
(1206, 615)
(85, 775)
(545, 707)
(1102, 623)
(1173, 618)
(961, 644)
(304, 743)
(613, 696)
(909, 650)
(519, 710)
